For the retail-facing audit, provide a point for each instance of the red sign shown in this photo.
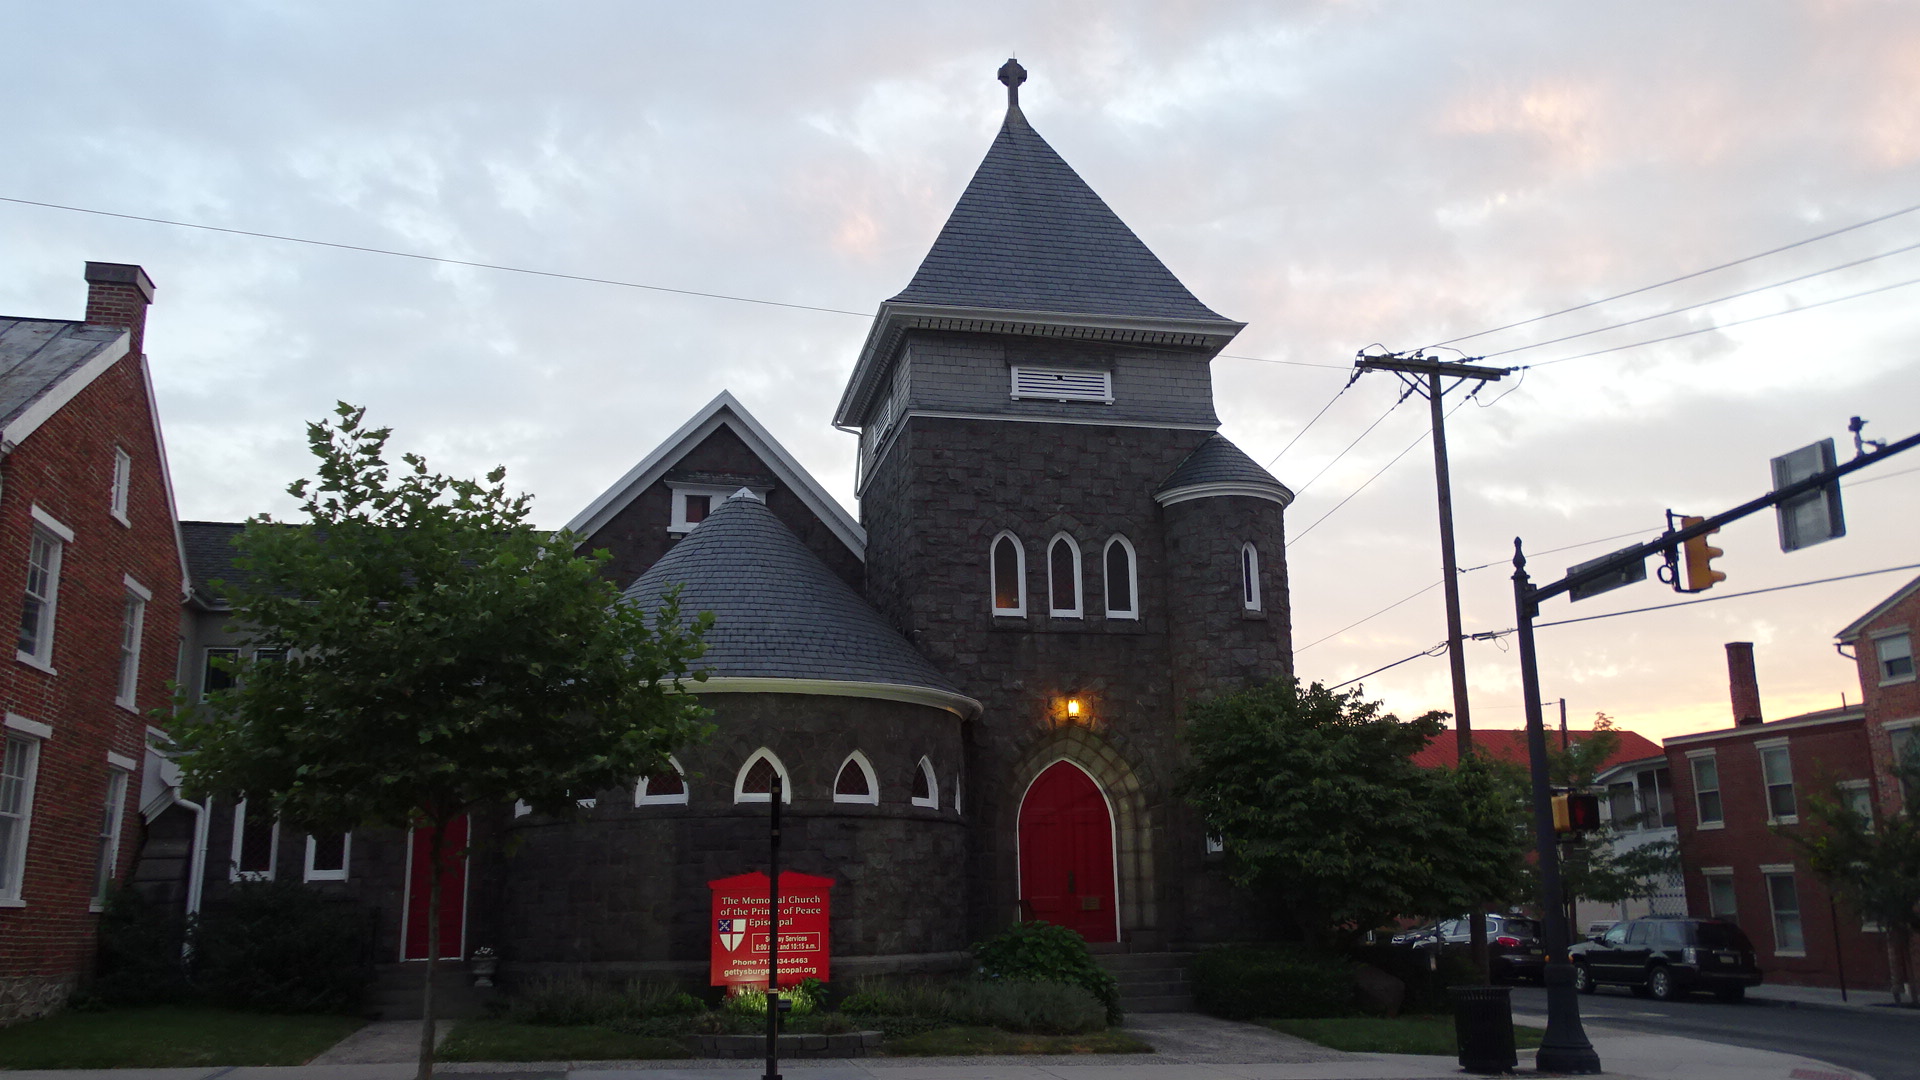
(740, 928)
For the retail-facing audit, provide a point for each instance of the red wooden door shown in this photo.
(1066, 854)
(453, 893)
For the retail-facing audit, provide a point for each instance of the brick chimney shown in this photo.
(1743, 684)
(118, 295)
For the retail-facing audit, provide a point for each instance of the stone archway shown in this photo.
(1132, 816)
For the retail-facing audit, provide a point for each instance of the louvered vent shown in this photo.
(1063, 384)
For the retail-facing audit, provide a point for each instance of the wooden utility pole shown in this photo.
(1409, 368)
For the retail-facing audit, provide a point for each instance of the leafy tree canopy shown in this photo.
(1319, 804)
(1598, 867)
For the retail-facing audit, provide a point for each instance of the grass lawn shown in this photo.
(167, 1036)
(498, 1040)
(1401, 1035)
(968, 1041)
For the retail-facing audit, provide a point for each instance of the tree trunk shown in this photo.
(433, 952)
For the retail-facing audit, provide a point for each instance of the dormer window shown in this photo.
(1062, 384)
(693, 502)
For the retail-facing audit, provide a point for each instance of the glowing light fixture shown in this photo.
(1073, 706)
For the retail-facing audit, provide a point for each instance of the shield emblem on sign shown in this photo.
(729, 937)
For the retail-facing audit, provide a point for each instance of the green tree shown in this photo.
(1872, 866)
(1596, 867)
(444, 656)
(1319, 804)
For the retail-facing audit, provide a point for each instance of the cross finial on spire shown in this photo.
(1013, 75)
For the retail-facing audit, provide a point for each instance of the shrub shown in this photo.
(142, 953)
(752, 1000)
(1042, 952)
(1240, 983)
(1040, 1008)
(572, 1000)
(282, 947)
(1427, 982)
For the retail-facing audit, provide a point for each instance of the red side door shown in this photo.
(1066, 854)
(453, 893)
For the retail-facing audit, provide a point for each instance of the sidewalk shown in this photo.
(1189, 1047)
(1878, 1000)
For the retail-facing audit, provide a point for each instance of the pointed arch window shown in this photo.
(856, 782)
(1123, 581)
(926, 789)
(668, 787)
(1009, 559)
(1063, 577)
(1250, 576)
(754, 783)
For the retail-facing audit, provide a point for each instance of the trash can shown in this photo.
(1483, 1024)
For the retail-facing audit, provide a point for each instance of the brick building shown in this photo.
(93, 558)
(1735, 792)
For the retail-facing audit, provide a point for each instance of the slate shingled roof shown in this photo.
(1218, 461)
(778, 611)
(1030, 235)
(210, 554)
(36, 355)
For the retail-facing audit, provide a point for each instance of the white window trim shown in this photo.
(1079, 579)
(872, 797)
(679, 525)
(1851, 786)
(127, 696)
(959, 793)
(1250, 597)
(33, 733)
(1700, 822)
(1761, 748)
(1767, 873)
(117, 778)
(641, 798)
(932, 801)
(52, 524)
(1913, 661)
(1133, 578)
(234, 873)
(1104, 396)
(308, 873)
(1216, 844)
(740, 795)
(58, 537)
(122, 762)
(206, 662)
(1020, 574)
(122, 483)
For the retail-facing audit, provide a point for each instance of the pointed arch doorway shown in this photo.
(1066, 854)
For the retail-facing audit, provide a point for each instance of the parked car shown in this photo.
(1599, 927)
(1513, 945)
(1669, 957)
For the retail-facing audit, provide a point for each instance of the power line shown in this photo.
(1683, 277)
(1290, 363)
(1435, 651)
(1316, 419)
(1736, 322)
(1708, 599)
(440, 259)
(1336, 506)
(1701, 304)
(1356, 442)
(1882, 476)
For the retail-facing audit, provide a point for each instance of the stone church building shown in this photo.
(973, 693)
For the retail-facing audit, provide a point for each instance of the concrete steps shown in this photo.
(1150, 982)
(395, 994)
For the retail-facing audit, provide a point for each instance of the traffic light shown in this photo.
(1699, 558)
(1574, 813)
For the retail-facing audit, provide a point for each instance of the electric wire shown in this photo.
(1701, 304)
(1316, 419)
(1290, 363)
(1435, 651)
(1369, 480)
(1356, 442)
(1683, 277)
(442, 259)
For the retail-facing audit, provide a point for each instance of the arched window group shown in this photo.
(1120, 577)
(854, 782)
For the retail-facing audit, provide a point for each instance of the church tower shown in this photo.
(1054, 521)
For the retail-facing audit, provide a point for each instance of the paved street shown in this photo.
(1877, 1041)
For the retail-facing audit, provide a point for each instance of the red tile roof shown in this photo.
(1510, 744)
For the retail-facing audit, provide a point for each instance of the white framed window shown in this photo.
(693, 502)
(122, 482)
(212, 676)
(855, 782)
(1721, 900)
(1008, 559)
(1784, 897)
(1857, 796)
(1216, 844)
(1903, 744)
(19, 769)
(1893, 657)
(959, 793)
(109, 852)
(926, 789)
(668, 788)
(754, 782)
(328, 855)
(256, 845)
(1122, 578)
(1063, 577)
(1062, 384)
(1250, 576)
(133, 619)
(1706, 788)
(1776, 771)
(45, 547)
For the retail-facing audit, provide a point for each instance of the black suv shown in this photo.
(1668, 957)
(1513, 944)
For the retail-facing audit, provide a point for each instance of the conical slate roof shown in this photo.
(1219, 467)
(779, 613)
(1029, 235)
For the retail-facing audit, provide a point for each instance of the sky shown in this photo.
(1337, 175)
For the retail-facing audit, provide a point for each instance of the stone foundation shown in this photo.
(30, 997)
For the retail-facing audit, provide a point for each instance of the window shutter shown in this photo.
(1062, 384)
